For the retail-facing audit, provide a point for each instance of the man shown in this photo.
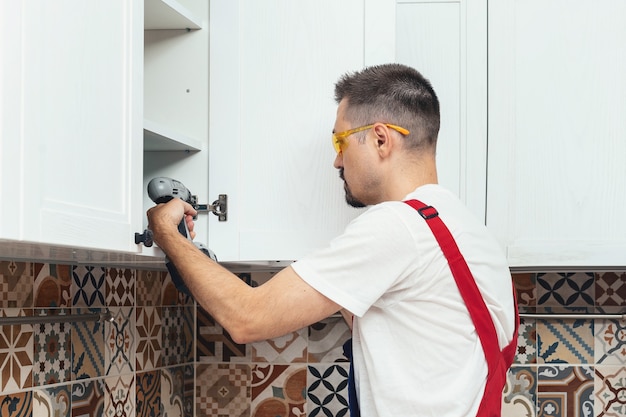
(416, 350)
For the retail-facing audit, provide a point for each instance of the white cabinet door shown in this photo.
(71, 122)
(273, 66)
(557, 130)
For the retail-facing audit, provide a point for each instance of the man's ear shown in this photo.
(384, 141)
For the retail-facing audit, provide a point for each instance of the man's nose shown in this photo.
(338, 161)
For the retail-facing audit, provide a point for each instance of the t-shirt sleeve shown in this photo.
(359, 266)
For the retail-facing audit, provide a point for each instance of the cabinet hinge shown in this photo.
(219, 207)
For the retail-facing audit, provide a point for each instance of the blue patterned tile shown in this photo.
(53, 351)
(526, 352)
(328, 390)
(565, 290)
(610, 391)
(87, 347)
(148, 389)
(610, 342)
(88, 398)
(565, 391)
(17, 405)
(88, 286)
(120, 341)
(565, 341)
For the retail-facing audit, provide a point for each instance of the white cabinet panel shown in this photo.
(71, 123)
(273, 66)
(557, 100)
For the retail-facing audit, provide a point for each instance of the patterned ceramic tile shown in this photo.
(53, 285)
(611, 292)
(148, 391)
(87, 347)
(610, 391)
(88, 286)
(88, 398)
(290, 348)
(52, 402)
(173, 391)
(117, 401)
(519, 398)
(223, 390)
(526, 290)
(565, 341)
(149, 284)
(213, 343)
(189, 327)
(278, 390)
(565, 391)
(16, 284)
(610, 342)
(120, 341)
(17, 405)
(16, 353)
(174, 341)
(171, 296)
(120, 287)
(526, 342)
(53, 350)
(565, 290)
(326, 340)
(328, 390)
(189, 389)
(149, 338)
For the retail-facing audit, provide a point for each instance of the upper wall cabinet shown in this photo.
(273, 66)
(70, 116)
(557, 132)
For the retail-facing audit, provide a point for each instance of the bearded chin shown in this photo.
(351, 199)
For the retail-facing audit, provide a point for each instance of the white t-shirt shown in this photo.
(415, 348)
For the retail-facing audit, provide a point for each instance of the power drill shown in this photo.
(162, 190)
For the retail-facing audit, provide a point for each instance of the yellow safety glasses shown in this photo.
(339, 139)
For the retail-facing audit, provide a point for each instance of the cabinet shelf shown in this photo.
(169, 14)
(157, 137)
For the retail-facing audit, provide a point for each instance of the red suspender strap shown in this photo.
(497, 363)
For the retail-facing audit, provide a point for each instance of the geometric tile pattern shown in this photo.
(174, 341)
(223, 390)
(88, 398)
(328, 389)
(53, 351)
(526, 352)
(120, 341)
(520, 392)
(610, 386)
(610, 342)
(149, 284)
(148, 338)
(16, 284)
(290, 348)
(117, 402)
(16, 353)
(326, 339)
(278, 390)
(213, 343)
(120, 287)
(565, 290)
(148, 391)
(611, 292)
(565, 341)
(87, 347)
(53, 285)
(17, 405)
(88, 286)
(565, 391)
(52, 402)
(173, 392)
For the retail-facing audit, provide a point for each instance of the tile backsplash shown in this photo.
(161, 355)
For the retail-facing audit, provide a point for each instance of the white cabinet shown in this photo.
(70, 116)
(273, 65)
(557, 132)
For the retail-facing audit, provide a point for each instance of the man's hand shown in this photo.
(164, 218)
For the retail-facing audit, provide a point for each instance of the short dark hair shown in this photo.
(392, 93)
